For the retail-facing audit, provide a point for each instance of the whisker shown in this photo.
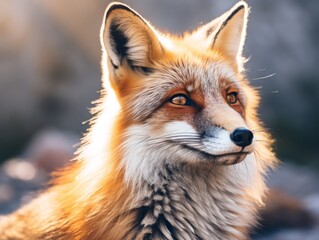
(264, 77)
(265, 130)
(260, 140)
(218, 143)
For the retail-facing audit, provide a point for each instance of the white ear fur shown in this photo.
(229, 38)
(126, 36)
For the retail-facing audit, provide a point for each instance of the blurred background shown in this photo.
(50, 74)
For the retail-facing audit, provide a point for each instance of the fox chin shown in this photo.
(175, 148)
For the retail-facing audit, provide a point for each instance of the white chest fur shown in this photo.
(196, 205)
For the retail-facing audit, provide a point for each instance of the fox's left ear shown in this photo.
(227, 33)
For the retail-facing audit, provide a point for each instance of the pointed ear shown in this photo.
(128, 38)
(229, 37)
(226, 33)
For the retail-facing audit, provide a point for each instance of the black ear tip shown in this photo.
(116, 6)
(240, 6)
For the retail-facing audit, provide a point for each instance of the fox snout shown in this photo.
(242, 137)
(227, 147)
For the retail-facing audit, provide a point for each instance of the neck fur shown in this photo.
(197, 203)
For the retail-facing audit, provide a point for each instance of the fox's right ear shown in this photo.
(128, 39)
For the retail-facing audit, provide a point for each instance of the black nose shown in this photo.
(242, 137)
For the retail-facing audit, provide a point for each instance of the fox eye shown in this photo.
(180, 99)
(232, 98)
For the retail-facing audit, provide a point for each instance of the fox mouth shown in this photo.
(220, 159)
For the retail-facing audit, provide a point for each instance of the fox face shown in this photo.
(184, 100)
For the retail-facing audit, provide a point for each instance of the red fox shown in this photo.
(175, 149)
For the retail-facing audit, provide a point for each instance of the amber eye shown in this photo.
(180, 99)
(232, 98)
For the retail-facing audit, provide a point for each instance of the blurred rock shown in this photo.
(312, 204)
(51, 149)
(20, 169)
(18, 178)
(282, 211)
(296, 180)
(22, 178)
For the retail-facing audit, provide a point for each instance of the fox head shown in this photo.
(183, 100)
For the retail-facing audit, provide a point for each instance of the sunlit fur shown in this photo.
(148, 169)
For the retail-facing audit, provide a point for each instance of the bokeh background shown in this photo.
(50, 74)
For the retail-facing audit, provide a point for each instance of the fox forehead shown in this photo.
(206, 77)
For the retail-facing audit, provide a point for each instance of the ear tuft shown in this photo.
(118, 40)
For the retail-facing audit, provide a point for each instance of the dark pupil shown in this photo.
(179, 100)
(232, 98)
